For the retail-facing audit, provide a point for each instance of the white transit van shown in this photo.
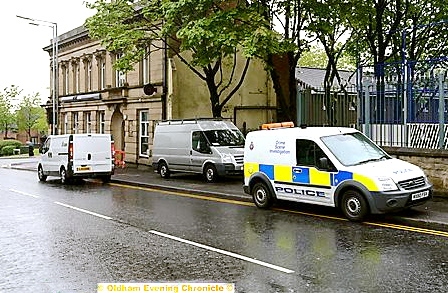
(337, 167)
(72, 156)
(206, 146)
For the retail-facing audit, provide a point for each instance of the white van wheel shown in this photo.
(354, 206)
(40, 174)
(210, 173)
(261, 196)
(63, 174)
(164, 171)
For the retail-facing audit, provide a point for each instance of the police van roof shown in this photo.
(308, 131)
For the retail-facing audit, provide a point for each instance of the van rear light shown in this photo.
(70, 151)
(112, 150)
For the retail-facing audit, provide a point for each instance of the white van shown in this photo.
(73, 156)
(206, 146)
(337, 167)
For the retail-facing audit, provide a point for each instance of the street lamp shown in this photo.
(55, 67)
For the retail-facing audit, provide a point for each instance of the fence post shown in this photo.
(300, 111)
(365, 88)
(441, 110)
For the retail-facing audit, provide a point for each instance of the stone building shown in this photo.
(95, 98)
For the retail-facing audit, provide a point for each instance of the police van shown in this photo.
(330, 166)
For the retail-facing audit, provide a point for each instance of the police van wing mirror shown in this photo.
(323, 163)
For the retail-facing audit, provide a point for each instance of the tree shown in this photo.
(316, 57)
(208, 36)
(30, 115)
(288, 18)
(7, 116)
(329, 24)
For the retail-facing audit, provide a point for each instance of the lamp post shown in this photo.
(55, 67)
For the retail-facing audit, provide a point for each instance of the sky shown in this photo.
(23, 61)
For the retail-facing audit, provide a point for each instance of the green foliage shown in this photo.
(7, 150)
(10, 142)
(212, 33)
(378, 30)
(314, 57)
(7, 115)
(317, 58)
(30, 115)
(7, 147)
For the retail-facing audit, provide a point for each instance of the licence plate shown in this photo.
(420, 195)
(83, 168)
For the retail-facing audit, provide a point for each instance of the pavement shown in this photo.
(430, 215)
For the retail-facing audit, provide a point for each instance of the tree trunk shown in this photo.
(282, 70)
(214, 96)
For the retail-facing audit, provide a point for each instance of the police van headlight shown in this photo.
(387, 184)
(426, 179)
(226, 158)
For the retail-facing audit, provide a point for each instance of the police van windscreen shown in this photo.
(225, 137)
(354, 149)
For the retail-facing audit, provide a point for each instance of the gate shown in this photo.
(400, 102)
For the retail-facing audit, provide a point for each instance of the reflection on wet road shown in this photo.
(58, 238)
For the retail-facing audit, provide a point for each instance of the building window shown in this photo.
(89, 75)
(103, 74)
(88, 122)
(65, 123)
(146, 66)
(120, 76)
(101, 122)
(77, 78)
(144, 133)
(75, 121)
(65, 80)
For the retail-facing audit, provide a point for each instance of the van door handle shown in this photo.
(191, 152)
(50, 154)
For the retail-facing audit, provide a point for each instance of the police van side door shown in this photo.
(313, 174)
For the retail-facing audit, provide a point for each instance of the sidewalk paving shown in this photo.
(432, 214)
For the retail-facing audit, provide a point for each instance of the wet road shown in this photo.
(58, 238)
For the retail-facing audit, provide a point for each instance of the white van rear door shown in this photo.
(92, 153)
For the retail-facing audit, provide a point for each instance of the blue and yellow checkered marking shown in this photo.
(268, 170)
(307, 175)
(304, 175)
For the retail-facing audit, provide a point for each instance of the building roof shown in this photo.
(73, 35)
(313, 78)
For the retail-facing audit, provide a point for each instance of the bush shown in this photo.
(12, 142)
(7, 150)
(7, 147)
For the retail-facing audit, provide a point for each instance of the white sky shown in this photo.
(22, 60)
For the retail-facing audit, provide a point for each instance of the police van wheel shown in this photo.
(210, 173)
(164, 171)
(261, 196)
(354, 206)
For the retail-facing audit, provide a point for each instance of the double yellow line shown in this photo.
(243, 203)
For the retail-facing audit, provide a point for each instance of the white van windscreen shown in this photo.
(225, 137)
(354, 149)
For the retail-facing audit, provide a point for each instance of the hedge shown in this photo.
(7, 147)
